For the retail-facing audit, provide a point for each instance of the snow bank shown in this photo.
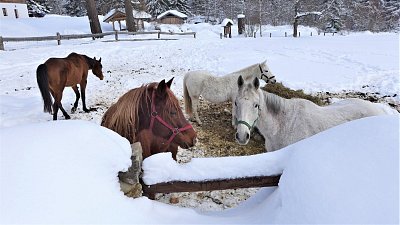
(348, 174)
(66, 172)
(162, 168)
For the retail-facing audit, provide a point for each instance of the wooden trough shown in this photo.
(133, 186)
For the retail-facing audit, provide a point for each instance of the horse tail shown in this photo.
(43, 83)
(186, 97)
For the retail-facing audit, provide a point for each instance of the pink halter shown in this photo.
(154, 115)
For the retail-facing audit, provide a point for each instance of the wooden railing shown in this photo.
(58, 37)
(133, 186)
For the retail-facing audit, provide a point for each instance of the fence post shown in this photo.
(220, 35)
(58, 38)
(270, 34)
(333, 34)
(311, 33)
(116, 35)
(129, 180)
(1, 43)
(285, 34)
(158, 34)
(299, 33)
(255, 34)
(194, 35)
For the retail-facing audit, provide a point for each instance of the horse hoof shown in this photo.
(73, 110)
(67, 117)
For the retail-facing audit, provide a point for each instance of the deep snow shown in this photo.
(65, 171)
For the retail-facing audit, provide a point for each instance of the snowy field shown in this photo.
(66, 171)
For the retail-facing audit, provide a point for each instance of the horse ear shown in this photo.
(161, 88)
(240, 81)
(170, 82)
(256, 82)
(100, 59)
(94, 58)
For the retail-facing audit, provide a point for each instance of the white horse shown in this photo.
(218, 89)
(286, 121)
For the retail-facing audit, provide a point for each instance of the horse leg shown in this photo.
(195, 101)
(76, 90)
(83, 88)
(57, 105)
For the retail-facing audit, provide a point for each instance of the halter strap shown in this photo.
(263, 75)
(251, 127)
(155, 116)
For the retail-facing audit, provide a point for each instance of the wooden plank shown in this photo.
(16, 39)
(212, 185)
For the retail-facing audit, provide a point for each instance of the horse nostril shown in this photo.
(247, 136)
(237, 136)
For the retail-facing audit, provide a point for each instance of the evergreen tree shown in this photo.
(156, 7)
(75, 8)
(37, 8)
(180, 5)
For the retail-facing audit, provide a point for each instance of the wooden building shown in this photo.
(118, 15)
(227, 24)
(172, 17)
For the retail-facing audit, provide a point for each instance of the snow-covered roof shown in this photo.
(113, 12)
(136, 14)
(173, 12)
(226, 21)
(241, 16)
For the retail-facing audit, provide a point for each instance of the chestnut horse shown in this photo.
(151, 115)
(57, 73)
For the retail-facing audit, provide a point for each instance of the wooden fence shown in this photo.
(132, 185)
(58, 37)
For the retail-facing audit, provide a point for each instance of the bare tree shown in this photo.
(130, 22)
(93, 18)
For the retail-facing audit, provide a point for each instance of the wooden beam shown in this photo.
(212, 185)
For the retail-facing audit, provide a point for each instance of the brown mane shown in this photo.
(123, 116)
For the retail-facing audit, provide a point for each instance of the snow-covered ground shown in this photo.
(65, 171)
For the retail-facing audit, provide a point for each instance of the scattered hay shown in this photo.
(285, 92)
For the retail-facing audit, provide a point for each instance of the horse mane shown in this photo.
(247, 68)
(88, 60)
(274, 102)
(123, 116)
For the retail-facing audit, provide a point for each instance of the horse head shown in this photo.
(247, 106)
(266, 74)
(167, 119)
(98, 68)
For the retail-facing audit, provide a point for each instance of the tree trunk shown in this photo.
(130, 22)
(295, 24)
(93, 18)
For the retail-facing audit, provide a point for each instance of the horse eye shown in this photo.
(172, 113)
(235, 103)
(256, 106)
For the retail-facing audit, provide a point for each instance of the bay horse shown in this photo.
(218, 89)
(57, 73)
(151, 115)
(285, 121)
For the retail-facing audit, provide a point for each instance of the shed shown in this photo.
(227, 24)
(140, 17)
(115, 15)
(172, 17)
(119, 14)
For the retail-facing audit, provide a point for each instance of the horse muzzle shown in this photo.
(242, 139)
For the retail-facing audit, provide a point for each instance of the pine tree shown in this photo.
(75, 8)
(37, 8)
(180, 5)
(156, 7)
